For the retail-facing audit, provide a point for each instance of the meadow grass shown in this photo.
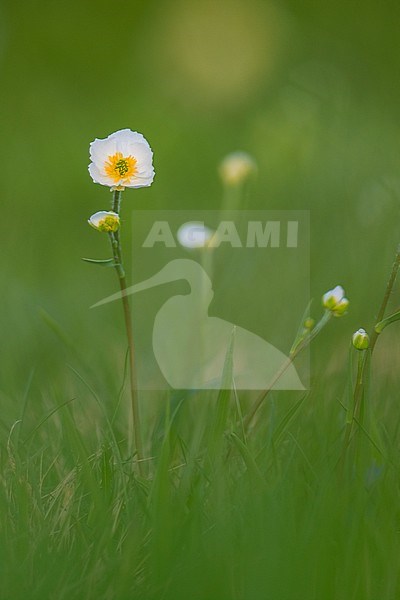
(221, 514)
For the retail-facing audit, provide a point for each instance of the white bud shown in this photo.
(335, 301)
(194, 235)
(236, 168)
(105, 221)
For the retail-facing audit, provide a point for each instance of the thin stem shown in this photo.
(389, 288)
(374, 335)
(264, 393)
(362, 358)
(303, 343)
(117, 253)
(116, 201)
(359, 387)
(358, 394)
(133, 377)
(358, 397)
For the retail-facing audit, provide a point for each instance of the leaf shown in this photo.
(227, 373)
(56, 328)
(107, 262)
(248, 459)
(223, 400)
(379, 327)
(300, 331)
(287, 419)
(224, 393)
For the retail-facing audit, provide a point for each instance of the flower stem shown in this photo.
(117, 252)
(358, 395)
(260, 400)
(389, 288)
(296, 349)
(374, 333)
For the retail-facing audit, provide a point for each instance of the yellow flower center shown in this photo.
(109, 223)
(119, 167)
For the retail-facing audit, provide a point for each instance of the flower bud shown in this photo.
(360, 339)
(335, 301)
(341, 308)
(309, 323)
(333, 297)
(105, 221)
(236, 168)
(194, 234)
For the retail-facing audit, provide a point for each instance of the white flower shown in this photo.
(123, 159)
(105, 221)
(236, 168)
(335, 301)
(194, 235)
(360, 339)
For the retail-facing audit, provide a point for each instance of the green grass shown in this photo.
(219, 515)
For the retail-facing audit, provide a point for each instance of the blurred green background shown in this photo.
(310, 89)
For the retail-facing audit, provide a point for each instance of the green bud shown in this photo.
(309, 323)
(360, 339)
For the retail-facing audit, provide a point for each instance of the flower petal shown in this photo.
(98, 176)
